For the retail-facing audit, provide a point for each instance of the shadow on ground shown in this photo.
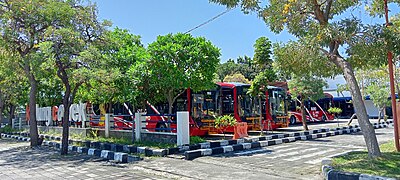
(21, 155)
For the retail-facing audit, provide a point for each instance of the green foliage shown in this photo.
(260, 83)
(225, 121)
(237, 77)
(262, 52)
(376, 83)
(379, 95)
(126, 141)
(94, 133)
(310, 60)
(243, 65)
(177, 62)
(322, 36)
(334, 110)
(8, 129)
(262, 56)
(359, 162)
(119, 53)
(196, 140)
(153, 144)
(307, 87)
(13, 84)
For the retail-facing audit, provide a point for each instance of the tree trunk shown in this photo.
(384, 114)
(363, 119)
(1, 114)
(261, 121)
(170, 104)
(303, 116)
(65, 122)
(11, 113)
(2, 109)
(379, 114)
(33, 130)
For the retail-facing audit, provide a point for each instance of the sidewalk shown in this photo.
(19, 161)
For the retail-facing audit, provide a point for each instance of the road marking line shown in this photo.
(253, 151)
(290, 153)
(309, 155)
(336, 146)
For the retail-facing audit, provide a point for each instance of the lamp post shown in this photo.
(392, 92)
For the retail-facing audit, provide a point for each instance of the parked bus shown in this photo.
(346, 105)
(224, 99)
(230, 99)
(315, 110)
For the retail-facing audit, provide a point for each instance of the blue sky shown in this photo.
(234, 32)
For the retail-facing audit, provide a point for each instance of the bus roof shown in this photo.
(232, 84)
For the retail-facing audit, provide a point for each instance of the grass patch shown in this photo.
(124, 141)
(387, 165)
(9, 129)
(196, 140)
(154, 144)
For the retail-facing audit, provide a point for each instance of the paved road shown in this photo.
(18, 161)
(297, 160)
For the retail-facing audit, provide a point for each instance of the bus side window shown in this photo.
(150, 110)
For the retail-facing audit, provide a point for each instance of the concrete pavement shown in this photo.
(297, 160)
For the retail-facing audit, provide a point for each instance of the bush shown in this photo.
(335, 110)
(225, 121)
(8, 129)
(196, 140)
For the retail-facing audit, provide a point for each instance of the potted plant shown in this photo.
(225, 121)
(336, 111)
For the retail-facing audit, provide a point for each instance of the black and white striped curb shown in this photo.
(106, 154)
(112, 147)
(15, 137)
(207, 151)
(288, 137)
(329, 173)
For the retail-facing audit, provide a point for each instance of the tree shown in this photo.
(121, 51)
(306, 88)
(227, 68)
(378, 89)
(379, 95)
(262, 57)
(13, 86)
(316, 25)
(262, 52)
(243, 65)
(178, 62)
(237, 77)
(23, 27)
(69, 47)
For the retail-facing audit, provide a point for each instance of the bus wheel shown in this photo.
(292, 120)
(323, 119)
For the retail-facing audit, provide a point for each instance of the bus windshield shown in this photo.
(249, 106)
(277, 102)
(226, 100)
(204, 105)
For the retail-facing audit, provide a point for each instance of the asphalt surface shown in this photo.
(297, 160)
